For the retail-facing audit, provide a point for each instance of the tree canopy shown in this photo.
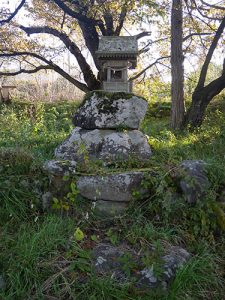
(26, 44)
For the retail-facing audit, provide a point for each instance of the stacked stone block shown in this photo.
(106, 131)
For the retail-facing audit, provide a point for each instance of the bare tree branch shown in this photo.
(145, 48)
(63, 20)
(121, 20)
(13, 14)
(197, 17)
(80, 16)
(89, 76)
(142, 34)
(26, 71)
(196, 34)
(50, 65)
(204, 15)
(209, 55)
(148, 67)
(213, 5)
(77, 15)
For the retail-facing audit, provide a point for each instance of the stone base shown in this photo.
(119, 187)
(110, 208)
(107, 146)
(110, 192)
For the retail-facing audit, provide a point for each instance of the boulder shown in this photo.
(105, 145)
(114, 187)
(107, 110)
(193, 180)
(125, 264)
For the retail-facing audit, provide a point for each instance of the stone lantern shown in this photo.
(116, 55)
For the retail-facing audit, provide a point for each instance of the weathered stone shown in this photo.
(123, 264)
(193, 180)
(110, 208)
(113, 187)
(175, 258)
(46, 200)
(60, 167)
(60, 174)
(105, 145)
(107, 112)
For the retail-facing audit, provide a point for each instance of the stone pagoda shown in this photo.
(106, 133)
(116, 55)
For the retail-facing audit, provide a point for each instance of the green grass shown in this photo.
(39, 257)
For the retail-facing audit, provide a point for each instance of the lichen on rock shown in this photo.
(110, 110)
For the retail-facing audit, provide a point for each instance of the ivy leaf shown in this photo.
(94, 238)
(78, 235)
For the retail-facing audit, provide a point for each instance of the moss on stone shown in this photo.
(110, 95)
(106, 106)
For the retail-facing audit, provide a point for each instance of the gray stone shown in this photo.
(61, 173)
(46, 200)
(125, 264)
(110, 208)
(113, 187)
(60, 167)
(105, 145)
(103, 112)
(193, 180)
(106, 261)
(175, 258)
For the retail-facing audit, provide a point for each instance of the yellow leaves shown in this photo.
(78, 235)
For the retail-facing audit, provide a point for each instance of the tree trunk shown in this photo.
(196, 112)
(200, 100)
(177, 69)
(204, 94)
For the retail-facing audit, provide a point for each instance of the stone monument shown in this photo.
(107, 132)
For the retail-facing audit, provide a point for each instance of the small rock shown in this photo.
(193, 180)
(60, 167)
(110, 208)
(106, 261)
(46, 200)
(111, 111)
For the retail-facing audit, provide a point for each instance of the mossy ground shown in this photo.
(39, 256)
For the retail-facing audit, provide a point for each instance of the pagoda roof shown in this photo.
(117, 47)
